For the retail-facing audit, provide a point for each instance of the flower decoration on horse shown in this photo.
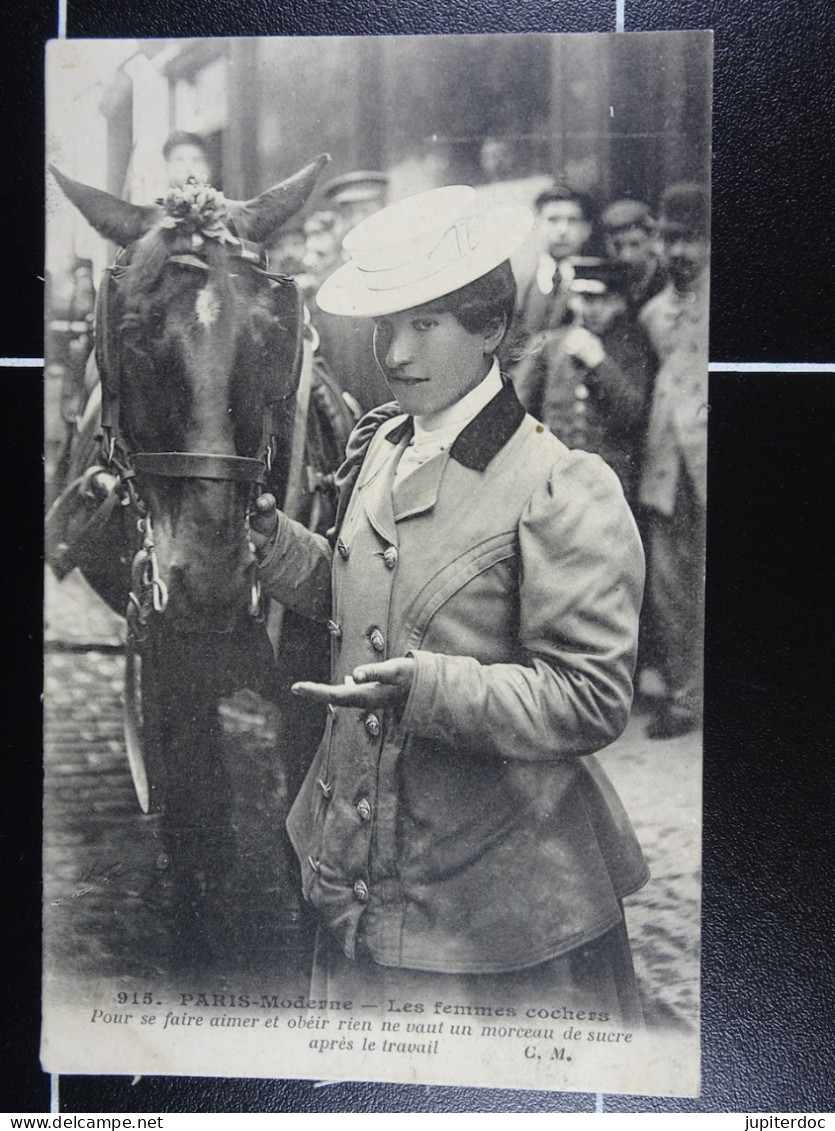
(198, 210)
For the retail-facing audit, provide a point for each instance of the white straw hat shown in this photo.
(420, 249)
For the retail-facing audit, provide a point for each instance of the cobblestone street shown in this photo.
(110, 905)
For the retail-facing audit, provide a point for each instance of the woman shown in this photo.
(455, 835)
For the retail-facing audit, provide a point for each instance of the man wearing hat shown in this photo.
(591, 381)
(354, 196)
(455, 834)
(186, 156)
(628, 237)
(345, 344)
(674, 480)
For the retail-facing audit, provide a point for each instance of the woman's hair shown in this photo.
(485, 301)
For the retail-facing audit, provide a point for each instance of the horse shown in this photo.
(205, 382)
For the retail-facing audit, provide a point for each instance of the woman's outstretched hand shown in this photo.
(386, 684)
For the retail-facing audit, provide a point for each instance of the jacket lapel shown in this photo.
(375, 490)
(418, 491)
(475, 446)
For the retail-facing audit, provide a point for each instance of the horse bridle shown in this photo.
(192, 465)
(148, 589)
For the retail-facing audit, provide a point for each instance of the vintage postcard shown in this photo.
(403, 782)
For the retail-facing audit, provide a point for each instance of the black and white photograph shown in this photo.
(376, 491)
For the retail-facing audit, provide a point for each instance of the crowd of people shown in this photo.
(611, 353)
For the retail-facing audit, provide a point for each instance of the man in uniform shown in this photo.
(591, 381)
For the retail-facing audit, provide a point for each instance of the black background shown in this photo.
(769, 897)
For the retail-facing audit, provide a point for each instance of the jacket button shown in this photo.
(341, 548)
(581, 392)
(378, 641)
(364, 809)
(314, 864)
(372, 725)
(326, 788)
(335, 629)
(390, 557)
(361, 891)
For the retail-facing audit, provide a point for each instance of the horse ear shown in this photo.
(258, 218)
(115, 219)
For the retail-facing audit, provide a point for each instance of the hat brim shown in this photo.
(347, 290)
(676, 228)
(589, 287)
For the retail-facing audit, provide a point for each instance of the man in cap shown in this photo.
(591, 381)
(629, 238)
(186, 156)
(353, 196)
(673, 487)
(345, 344)
(455, 834)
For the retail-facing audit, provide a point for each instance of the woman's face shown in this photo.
(429, 359)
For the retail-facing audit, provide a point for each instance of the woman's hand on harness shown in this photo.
(386, 684)
(263, 521)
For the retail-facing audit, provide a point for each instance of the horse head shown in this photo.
(198, 350)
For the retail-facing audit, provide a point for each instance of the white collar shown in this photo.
(437, 431)
(549, 268)
(456, 417)
(545, 274)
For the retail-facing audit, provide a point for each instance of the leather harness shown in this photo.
(287, 301)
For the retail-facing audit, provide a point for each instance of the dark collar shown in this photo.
(484, 436)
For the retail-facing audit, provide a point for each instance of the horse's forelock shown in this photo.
(149, 256)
